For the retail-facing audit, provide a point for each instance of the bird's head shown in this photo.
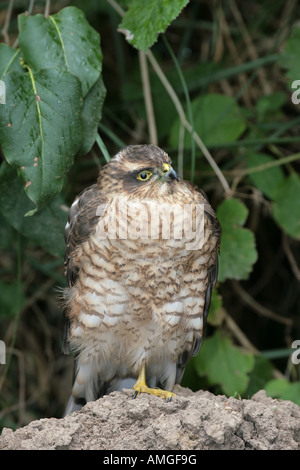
(139, 170)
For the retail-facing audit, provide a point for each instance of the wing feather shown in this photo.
(83, 217)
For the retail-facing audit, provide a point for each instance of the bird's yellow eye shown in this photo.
(144, 175)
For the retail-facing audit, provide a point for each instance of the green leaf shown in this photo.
(290, 57)
(269, 106)
(45, 227)
(41, 128)
(64, 40)
(237, 250)
(286, 207)
(9, 60)
(217, 120)
(224, 364)
(260, 375)
(92, 113)
(268, 180)
(281, 388)
(145, 19)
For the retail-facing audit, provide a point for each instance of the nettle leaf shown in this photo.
(45, 227)
(145, 19)
(268, 180)
(217, 120)
(237, 249)
(41, 128)
(64, 40)
(9, 60)
(224, 364)
(286, 206)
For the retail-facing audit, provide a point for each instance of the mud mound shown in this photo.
(191, 421)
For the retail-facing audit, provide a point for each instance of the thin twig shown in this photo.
(47, 8)
(4, 31)
(148, 98)
(180, 151)
(116, 7)
(257, 307)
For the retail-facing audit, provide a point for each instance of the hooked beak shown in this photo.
(169, 172)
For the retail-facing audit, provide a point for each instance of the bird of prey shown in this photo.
(141, 261)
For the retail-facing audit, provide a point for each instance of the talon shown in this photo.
(141, 387)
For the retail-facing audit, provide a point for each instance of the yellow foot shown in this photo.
(141, 387)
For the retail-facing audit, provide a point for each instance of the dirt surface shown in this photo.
(191, 421)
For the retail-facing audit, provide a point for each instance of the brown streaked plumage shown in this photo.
(137, 303)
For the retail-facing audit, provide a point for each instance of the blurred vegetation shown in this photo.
(215, 92)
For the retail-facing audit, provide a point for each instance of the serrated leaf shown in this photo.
(145, 19)
(41, 128)
(45, 227)
(217, 120)
(237, 250)
(64, 40)
(268, 180)
(286, 207)
(224, 364)
(9, 60)
(92, 113)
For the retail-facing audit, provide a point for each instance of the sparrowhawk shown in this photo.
(141, 262)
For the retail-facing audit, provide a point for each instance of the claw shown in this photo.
(141, 387)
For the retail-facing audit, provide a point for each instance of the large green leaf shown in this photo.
(41, 128)
(237, 250)
(224, 364)
(286, 207)
(64, 40)
(45, 227)
(217, 120)
(145, 19)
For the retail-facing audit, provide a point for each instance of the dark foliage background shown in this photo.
(238, 60)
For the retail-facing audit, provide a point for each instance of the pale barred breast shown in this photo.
(135, 281)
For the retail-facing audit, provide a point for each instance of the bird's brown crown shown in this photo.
(137, 169)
